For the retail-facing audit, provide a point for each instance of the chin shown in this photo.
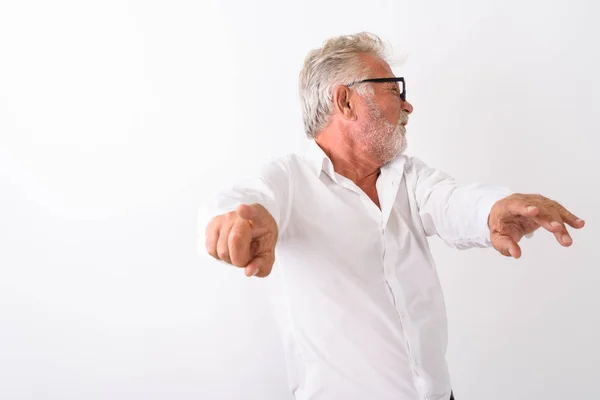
(399, 150)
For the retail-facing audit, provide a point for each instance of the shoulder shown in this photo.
(277, 167)
(408, 164)
(285, 166)
(282, 171)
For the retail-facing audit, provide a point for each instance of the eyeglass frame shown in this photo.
(377, 80)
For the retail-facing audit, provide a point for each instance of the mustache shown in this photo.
(403, 118)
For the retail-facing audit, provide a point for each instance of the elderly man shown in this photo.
(363, 312)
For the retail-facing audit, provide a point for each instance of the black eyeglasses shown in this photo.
(396, 79)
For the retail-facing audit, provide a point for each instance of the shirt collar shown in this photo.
(320, 162)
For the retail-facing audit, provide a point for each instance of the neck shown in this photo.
(349, 158)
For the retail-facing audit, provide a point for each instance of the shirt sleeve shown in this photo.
(457, 213)
(270, 188)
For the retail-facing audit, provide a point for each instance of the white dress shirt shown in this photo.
(359, 301)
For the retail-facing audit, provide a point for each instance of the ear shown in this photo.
(344, 102)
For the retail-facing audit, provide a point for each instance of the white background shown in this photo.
(117, 119)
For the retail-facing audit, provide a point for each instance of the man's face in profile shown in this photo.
(382, 118)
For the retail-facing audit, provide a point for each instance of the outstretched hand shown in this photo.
(244, 238)
(518, 215)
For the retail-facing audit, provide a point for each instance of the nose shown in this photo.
(406, 106)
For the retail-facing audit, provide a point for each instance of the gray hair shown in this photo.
(337, 62)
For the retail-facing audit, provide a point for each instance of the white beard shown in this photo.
(385, 140)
